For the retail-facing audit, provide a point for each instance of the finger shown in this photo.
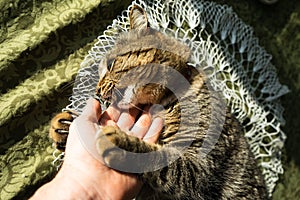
(86, 125)
(127, 119)
(92, 110)
(142, 125)
(110, 116)
(154, 131)
(88, 120)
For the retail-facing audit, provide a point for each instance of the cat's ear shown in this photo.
(138, 18)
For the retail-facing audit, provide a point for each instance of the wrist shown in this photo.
(98, 180)
(69, 184)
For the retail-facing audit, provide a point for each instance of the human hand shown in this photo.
(82, 174)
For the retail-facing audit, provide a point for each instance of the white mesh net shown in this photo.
(231, 56)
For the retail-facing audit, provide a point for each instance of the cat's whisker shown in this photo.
(140, 109)
(67, 85)
(133, 105)
(119, 92)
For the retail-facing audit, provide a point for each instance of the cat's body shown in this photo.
(228, 171)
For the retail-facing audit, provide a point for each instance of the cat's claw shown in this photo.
(59, 128)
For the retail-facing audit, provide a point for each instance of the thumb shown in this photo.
(92, 110)
(85, 127)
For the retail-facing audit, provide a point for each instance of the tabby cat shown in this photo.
(228, 171)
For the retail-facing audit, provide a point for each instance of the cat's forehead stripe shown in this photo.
(134, 41)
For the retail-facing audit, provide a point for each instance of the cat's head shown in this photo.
(136, 70)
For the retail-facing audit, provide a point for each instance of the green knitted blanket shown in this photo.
(42, 44)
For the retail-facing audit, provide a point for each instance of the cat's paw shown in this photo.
(118, 149)
(113, 145)
(59, 128)
(108, 139)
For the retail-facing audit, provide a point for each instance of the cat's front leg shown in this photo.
(118, 148)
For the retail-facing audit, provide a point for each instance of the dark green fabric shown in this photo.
(42, 44)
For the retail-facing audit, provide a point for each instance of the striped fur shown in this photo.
(229, 171)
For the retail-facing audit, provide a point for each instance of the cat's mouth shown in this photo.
(132, 96)
(104, 100)
(122, 98)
